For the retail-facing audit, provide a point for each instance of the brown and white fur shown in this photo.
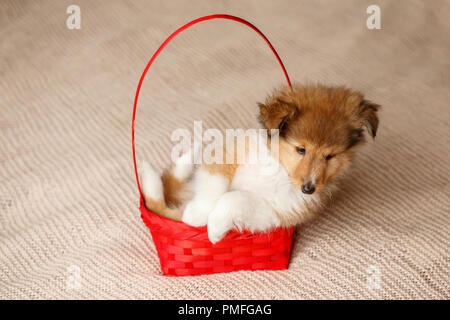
(319, 128)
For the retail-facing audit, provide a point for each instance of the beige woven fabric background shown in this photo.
(68, 195)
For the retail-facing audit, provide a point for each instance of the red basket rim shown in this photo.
(179, 225)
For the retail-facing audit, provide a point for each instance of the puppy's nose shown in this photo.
(308, 188)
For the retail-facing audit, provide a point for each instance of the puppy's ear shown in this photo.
(368, 113)
(276, 114)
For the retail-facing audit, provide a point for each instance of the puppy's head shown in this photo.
(319, 128)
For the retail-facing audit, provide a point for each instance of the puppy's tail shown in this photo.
(164, 194)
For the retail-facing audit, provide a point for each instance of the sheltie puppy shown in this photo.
(318, 129)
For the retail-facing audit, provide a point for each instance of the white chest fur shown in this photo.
(269, 181)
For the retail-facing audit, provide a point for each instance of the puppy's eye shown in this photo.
(328, 157)
(301, 150)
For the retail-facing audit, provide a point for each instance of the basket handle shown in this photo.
(173, 35)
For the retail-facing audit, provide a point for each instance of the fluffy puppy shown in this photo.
(318, 131)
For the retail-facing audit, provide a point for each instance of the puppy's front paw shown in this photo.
(195, 214)
(219, 223)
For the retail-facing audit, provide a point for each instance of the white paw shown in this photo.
(196, 213)
(150, 181)
(219, 223)
(184, 166)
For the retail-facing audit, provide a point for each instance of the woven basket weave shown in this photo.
(185, 250)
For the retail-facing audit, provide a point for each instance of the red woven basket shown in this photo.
(185, 250)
